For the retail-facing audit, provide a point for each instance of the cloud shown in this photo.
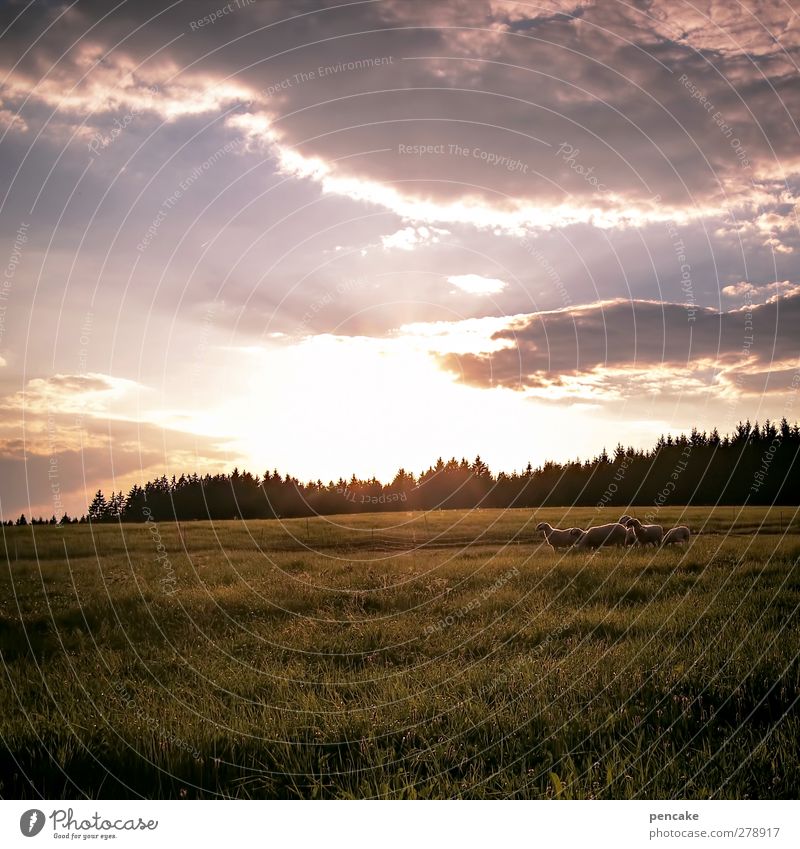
(412, 237)
(764, 292)
(474, 284)
(630, 348)
(11, 121)
(776, 228)
(70, 394)
(754, 29)
(42, 478)
(91, 83)
(458, 337)
(467, 103)
(67, 435)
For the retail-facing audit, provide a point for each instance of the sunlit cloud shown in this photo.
(412, 237)
(65, 433)
(511, 216)
(474, 284)
(113, 85)
(469, 335)
(86, 394)
(755, 293)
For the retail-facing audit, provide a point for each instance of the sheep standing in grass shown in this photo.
(630, 537)
(646, 534)
(677, 536)
(610, 534)
(558, 537)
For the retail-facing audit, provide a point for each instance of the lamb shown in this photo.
(557, 537)
(610, 534)
(677, 536)
(646, 534)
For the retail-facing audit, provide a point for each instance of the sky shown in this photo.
(337, 238)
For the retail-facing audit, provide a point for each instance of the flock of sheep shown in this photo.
(627, 531)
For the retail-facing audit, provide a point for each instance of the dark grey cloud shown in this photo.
(652, 98)
(615, 345)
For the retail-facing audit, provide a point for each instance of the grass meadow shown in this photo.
(399, 655)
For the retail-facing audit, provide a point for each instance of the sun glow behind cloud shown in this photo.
(329, 406)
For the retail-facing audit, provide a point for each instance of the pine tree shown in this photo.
(98, 509)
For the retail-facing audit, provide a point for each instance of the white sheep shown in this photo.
(677, 536)
(646, 534)
(630, 537)
(557, 537)
(610, 534)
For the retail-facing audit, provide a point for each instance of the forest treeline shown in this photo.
(756, 464)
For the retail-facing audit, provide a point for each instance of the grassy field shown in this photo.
(400, 656)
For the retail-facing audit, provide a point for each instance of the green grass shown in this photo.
(399, 656)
